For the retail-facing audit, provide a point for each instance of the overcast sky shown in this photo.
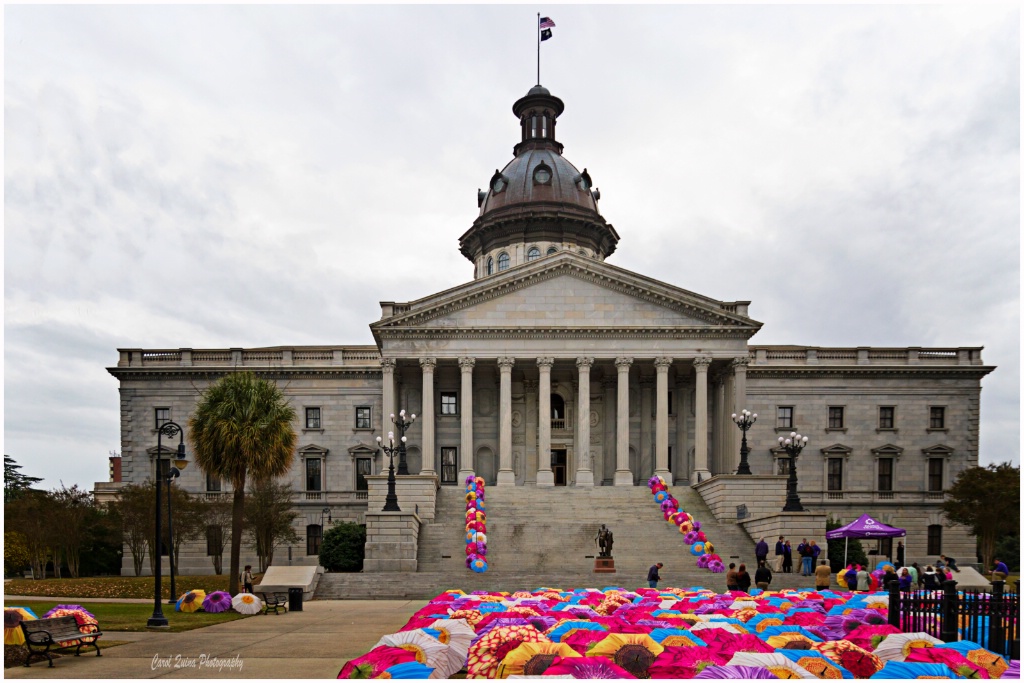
(210, 177)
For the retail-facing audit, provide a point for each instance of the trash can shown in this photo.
(294, 599)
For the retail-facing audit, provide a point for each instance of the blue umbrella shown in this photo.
(820, 669)
(779, 630)
(914, 670)
(410, 670)
(660, 634)
(562, 629)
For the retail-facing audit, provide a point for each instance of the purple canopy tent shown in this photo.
(866, 527)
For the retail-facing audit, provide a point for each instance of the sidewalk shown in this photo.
(314, 643)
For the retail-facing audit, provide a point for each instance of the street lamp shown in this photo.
(402, 424)
(168, 429)
(744, 421)
(172, 473)
(391, 502)
(792, 445)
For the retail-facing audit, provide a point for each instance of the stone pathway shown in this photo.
(314, 643)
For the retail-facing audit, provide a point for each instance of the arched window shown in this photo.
(557, 407)
(583, 252)
(533, 254)
(314, 534)
(502, 261)
(552, 250)
(490, 266)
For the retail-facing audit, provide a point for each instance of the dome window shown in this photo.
(583, 252)
(583, 181)
(503, 261)
(498, 182)
(542, 174)
(552, 250)
(490, 266)
(533, 254)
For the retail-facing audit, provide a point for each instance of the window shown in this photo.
(490, 266)
(785, 417)
(885, 474)
(835, 417)
(364, 468)
(313, 474)
(449, 403)
(937, 417)
(449, 466)
(314, 533)
(533, 254)
(214, 540)
(542, 175)
(162, 415)
(552, 250)
(934, 539)
(885, 547)
(212, 482)
(934, 474)
(557, 407)
(312, 418)
(835, 474)
(363, 417)
(503, 261)
(887, 417)
(782, 465)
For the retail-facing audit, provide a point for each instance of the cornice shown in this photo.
(394, 333)
(969, 371)
(186, 372)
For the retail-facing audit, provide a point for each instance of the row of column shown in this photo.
(584, 471)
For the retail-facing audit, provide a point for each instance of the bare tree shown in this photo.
(136, 506)
(70, 518)
(269, 516)
(218, 527)
(30, 516)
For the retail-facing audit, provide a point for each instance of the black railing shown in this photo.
(990, 619)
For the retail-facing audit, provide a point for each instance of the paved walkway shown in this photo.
(314, 643)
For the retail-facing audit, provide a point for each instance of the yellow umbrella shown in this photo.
(781, 640)
(634, 652)
(531, 659)
(190, 601)
(13, 616)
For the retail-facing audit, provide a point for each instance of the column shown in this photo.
(506, 476)
(466, 407)
(609, 384)
(584, 473)
(623, 477)
(681, 463)
(700, 440)
(739, 402)
(645, 459)
(387, 368)
(545, 477)
(718, 432)
(661, 366)
(427, 467)
(530, 426)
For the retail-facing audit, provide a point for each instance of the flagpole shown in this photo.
(538, 48)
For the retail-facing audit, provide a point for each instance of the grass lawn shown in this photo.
(115, 616)
(112, 586)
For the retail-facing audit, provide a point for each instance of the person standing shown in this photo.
(787, 558)
(822, 577)
(901, 555)
(653, 577)
(805, 558)
(761, 550)
(815, 551)
(889, 576)
(730, 578)
(931, 580)
(851, 578)
(780, 548)
(743, 579)
(763, 575)
(914, 575)
(906, 581)
(246, 578)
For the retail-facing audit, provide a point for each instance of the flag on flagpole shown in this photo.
(545, 22)
(545, 34)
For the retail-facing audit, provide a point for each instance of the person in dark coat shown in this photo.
(761, 551)
(930, 579)
(851, 578)
(901, 555)
(889, 577)
(779, 552)
(763, 575)
(730, 578)
(653, 577)
(743, 579)
(787, 558)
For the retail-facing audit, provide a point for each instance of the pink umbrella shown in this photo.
(869, 637)
(684, 661)
(374, 662)
(581, 640)
(951, 658)
(586, 668)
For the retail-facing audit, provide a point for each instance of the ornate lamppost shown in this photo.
(402, 424)
(792, 445)
(170, 430)
(744, 421)
(391, 502)
(173, 473)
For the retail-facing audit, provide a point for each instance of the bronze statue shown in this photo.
(604, 541)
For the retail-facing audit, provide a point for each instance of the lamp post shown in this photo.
(744, 421)
(391, 502)
(402, 424)
(792, 445)
(170, 430)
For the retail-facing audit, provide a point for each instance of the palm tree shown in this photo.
(242, 429)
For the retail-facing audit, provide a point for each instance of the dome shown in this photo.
(539, 200)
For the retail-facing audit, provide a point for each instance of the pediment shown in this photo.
(837, 449)
(313, 449)
(937, 451)
(887, 451)
(362, 451)
(567, 292)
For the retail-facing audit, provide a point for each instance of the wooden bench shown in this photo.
(275, 601)
(42, 635)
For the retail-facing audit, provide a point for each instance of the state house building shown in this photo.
(552, 367)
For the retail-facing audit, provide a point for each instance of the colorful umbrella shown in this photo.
(533, 659)
(817, 663)
(84, 619)
(676, 637)
(13, 616)
(246, 603)
(581, 640)
(566, 627)
(870, 637)
(993, 663)
(374, 662)
(951, 658)
(897, 646)
(856, 660)
(894, 669)
(408, 670)
(736, 672)
(427, 648)
(774, 662)
(1013, 671)
(634, 652)
(190, 601)
(684, 662)
(456, 634)
(588, 668)
(488, 652)
(217, 601)
(70, 608)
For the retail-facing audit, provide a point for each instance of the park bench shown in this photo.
(43, 634)
(275, 601)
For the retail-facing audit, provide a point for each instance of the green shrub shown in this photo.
(343, 547)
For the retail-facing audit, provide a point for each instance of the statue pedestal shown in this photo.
(604, 565)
